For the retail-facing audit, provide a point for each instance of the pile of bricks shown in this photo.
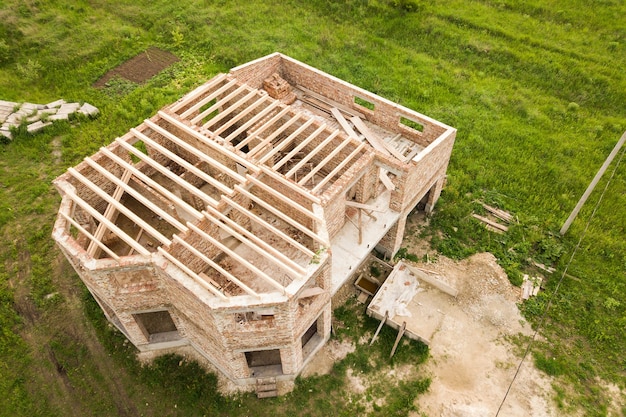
(38, 116)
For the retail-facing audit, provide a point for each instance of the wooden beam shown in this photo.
(195, 151)
(290, 184)
(284, 199)
(253, 134)
(184, 163)
(215, 265)
(311, 154)
(154, 164)
(300, 146)
(225, 112)
(208, 98)
(262, 99)
(400, 334)
(330, 103)
(137, 195)
(238, 258)
(197, 92)
(96, 214)
(254, 119)
(488, 222)
(91, 237)
(192, 274)
(324, 161)
(367, 133)
(273, 135)
(380, 326)
(219, 103)
(382, 174)
(399, 156)
(282, 215)
(285, 142)
(339, 167)
(255, 243)
(120, 207)
(362, 206)
(210, 143)
(344, 123)
(108, 213)
(269, 227)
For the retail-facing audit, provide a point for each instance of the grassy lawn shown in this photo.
(536, 90)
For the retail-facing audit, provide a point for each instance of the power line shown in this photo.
(556, 290)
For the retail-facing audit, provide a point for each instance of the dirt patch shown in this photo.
(141, 67)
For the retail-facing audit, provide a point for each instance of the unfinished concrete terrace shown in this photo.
(256, 195)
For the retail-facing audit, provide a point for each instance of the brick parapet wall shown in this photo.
(253, 73)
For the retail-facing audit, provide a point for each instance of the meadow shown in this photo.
(536, 90)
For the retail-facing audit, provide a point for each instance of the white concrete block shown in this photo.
(59, 116)
(55, 104)
(88, 110)
(6, 134)
(37, 126)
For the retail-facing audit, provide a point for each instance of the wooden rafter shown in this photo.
(290, 184)
(219, 103)
(273, 135)
(285, 142)
(269, 227)
(91, 237)
(154, 164)
(194, 151)
(208, 98)
(238, 258)
(210, 143)
(254, 119)
(339, 167)
(255, 134)
(282, 216)
(324, 161)
(241, 115)
(224, 113)
(312, 154)
(255, 243)
(298, 148)
(192, 274)
(198, 92)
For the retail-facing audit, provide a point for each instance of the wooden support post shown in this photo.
(593, 184)
(380, 326)
(400, 334)
(360, 226)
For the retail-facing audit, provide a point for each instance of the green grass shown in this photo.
(536, 90)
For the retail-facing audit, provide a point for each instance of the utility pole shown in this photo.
(582, 200)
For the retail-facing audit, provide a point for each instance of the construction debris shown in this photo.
(493, 224)
(38, 116)
(530, 286)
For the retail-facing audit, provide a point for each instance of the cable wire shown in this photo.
(556, 290)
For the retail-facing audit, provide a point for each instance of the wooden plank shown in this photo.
(501, 214)
(91, 237)
(184, 163)
(285, 142)
(239, 259)
(330, 103)
(311, 154)
(154, 164)
(192, 274)
(324, 161)
(490, 223)
(208, 98)
(371, 138)
(291, 185)
(397, 154)
(210, 143)
(382, 174)
(254, 119)
(284, 199)
(380, 326)
(437, 283)
(282, 216)
(219, 103)
(253, 134)
(96, 214)
(198, 92)
(195, 151)
(268, 226)
(344, 123)
(363, 206)
(120, 207)
(255, 243)
(300, 146)
(400, 334)
(338, 168)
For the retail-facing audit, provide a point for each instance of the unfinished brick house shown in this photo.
(225, 223)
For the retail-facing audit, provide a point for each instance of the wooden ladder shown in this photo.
(266, 387)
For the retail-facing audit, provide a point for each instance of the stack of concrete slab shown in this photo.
(38, 116)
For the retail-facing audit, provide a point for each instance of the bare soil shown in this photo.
(141, 67)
